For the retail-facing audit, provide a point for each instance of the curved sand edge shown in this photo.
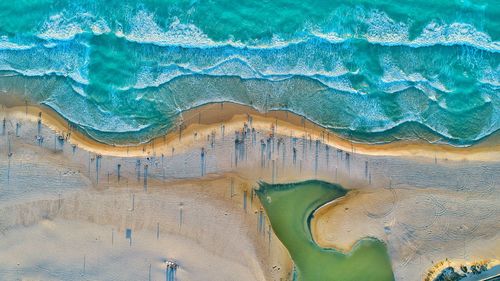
(409, 230)
(209, 119)
(323, 211)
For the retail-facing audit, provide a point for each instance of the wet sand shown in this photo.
(208, 119)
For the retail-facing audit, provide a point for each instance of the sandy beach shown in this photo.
(82, 184)
(209, 119)
(201, 224)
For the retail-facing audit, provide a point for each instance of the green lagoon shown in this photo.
(290, 208)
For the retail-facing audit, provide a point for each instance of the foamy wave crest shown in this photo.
(238, 67)
(83, 115)
(395, 80)
(386, 31)
(65, 26)
(343, 76)
(455, 34)
(142, 27)
(75, 77)
(145, 30)
(5, 44)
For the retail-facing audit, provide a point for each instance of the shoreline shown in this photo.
(211, 119)
(352, 174)
(391, 215)
(303, 200)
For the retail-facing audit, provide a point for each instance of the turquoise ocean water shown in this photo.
(375, 71)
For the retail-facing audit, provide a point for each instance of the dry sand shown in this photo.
(53, 212)
(189, 222)
(421, 227)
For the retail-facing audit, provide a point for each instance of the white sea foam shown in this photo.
(455, 34)
(66, 25)
(59, 28)
(40, 72)
(382, 29)
(394, 80)
(90, 116)
(490, 76)
(144, 29)
(79, 90)
(6, 44)
(331, 37)
(240, 67)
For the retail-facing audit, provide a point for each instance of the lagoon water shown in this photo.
(290, 208)
(375, 71)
